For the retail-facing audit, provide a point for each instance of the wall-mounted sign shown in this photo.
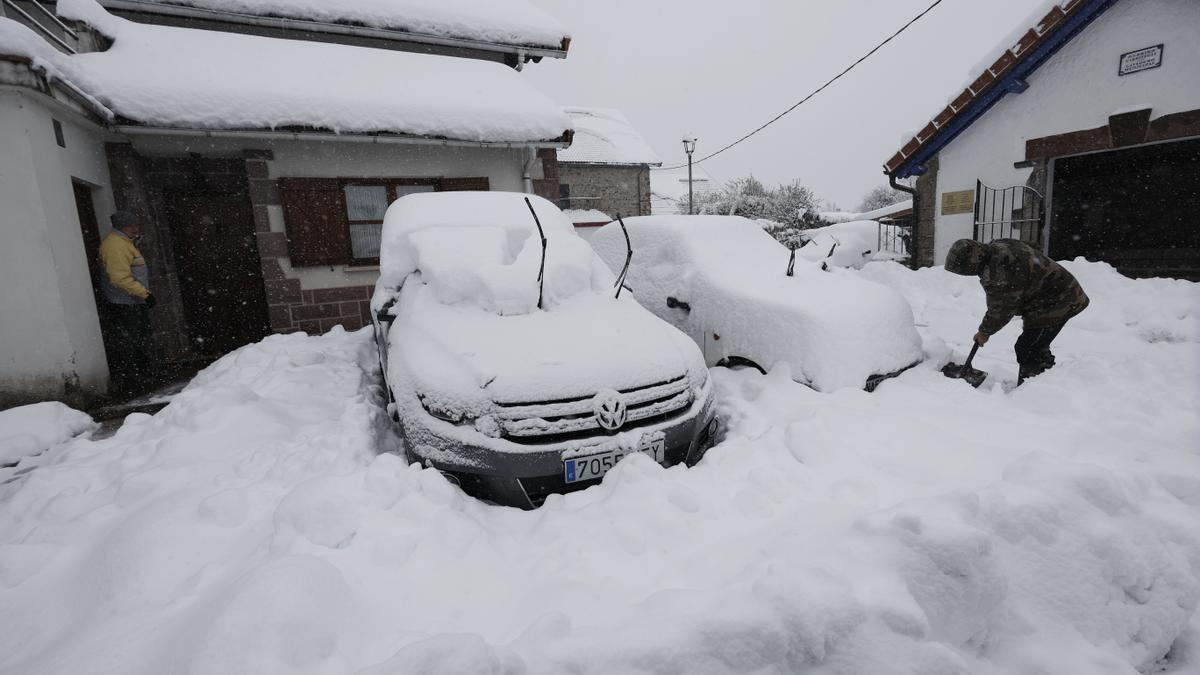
(962, 201)
(1141, 59)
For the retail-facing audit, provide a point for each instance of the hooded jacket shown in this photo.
(126, 277)
(1019, 281)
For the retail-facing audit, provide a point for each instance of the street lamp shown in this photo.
(689, 146)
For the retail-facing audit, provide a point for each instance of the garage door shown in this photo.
(1138, 209)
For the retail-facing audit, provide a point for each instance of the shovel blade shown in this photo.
(973, 376)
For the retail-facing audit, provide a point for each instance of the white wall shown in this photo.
(503, 167)
(50, 335)
(1078, 88)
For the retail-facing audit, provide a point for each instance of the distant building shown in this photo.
(669, 189)
(1082, 139)
(607, 166)
(261, 167)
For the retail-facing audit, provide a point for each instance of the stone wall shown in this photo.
(927, 204)
(619, 189)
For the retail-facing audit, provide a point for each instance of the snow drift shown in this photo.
(926, 528)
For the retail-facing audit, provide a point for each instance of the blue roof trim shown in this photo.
(1014, 80)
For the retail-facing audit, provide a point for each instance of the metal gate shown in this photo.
(1008, 213)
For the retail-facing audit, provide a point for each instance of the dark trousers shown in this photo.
(129, 349)
(1033, 350)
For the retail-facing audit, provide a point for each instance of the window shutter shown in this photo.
(460, 184)
(314, 217)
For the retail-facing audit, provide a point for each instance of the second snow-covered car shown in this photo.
(511, 365)
(744, 300)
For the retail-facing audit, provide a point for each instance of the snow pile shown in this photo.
(511, 22)
(177, 77)
(835, 330)
(925, 528)
(587, 216)
(483, 249)
(605, 136)
(31, 429)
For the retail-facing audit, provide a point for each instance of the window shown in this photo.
(339, 221)
(366, 202)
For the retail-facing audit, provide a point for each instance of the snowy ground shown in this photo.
(926, 528)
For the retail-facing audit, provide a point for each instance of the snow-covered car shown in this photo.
(739, 294)
(511, 365)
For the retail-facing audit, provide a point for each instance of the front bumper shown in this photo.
(524, 475)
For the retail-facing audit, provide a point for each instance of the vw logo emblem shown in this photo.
(610, 410)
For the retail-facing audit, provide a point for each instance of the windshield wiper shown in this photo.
(542, 234)
(628, 257)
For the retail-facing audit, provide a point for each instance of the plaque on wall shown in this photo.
(1141, 59)
(961, 201)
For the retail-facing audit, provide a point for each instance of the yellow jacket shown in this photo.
(126, 277)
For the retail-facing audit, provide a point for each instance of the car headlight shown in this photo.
(442, 412)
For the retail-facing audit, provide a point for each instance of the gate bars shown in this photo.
(1008, 213)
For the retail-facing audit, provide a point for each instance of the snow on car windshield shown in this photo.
(483, 249)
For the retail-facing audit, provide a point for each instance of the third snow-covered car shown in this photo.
(511, 365)
(737, 292)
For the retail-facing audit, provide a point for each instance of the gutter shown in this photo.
(145, 7)
(916, 219)
(324, 136)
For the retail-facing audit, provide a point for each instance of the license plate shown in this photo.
(595, 466)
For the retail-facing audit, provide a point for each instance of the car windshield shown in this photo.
(484, 250)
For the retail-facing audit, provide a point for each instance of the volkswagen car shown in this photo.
(513, 363)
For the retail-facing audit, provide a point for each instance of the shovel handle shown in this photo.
(971, 356)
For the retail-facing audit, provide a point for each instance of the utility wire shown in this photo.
(818, 90)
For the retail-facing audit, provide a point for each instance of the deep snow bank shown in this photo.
(30, 429)
(926, 528)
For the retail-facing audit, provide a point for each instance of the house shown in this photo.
(1082, 138)
(261, 166)
(669, 189)
(606, 171)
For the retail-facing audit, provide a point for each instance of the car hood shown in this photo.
(469, 358)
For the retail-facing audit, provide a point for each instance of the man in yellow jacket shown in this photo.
(128, 298)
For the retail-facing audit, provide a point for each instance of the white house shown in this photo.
(1082, 137)
(261, 166)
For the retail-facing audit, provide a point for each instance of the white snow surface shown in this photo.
(201, 79)
(605, 136)
(833, 329)
(928, 527)
(483, 249)
(587, 216)
(31, 429)
(510, 22)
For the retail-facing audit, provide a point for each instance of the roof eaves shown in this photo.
(166, 9)
(1006, 75)
(132, 127)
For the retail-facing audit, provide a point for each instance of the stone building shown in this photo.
(607, 167)
(259, 169)
(1083, 138)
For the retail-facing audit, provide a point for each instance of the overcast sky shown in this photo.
(718, 69)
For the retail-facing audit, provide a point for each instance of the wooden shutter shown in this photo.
(314, 217)
(460, 184)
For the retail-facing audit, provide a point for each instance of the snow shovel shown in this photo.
(973, 376)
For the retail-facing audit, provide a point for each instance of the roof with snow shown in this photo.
(196, 79)
(1006, 75)
(605, 136)
(511, 22)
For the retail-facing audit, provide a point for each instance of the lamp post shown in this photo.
(689, 146)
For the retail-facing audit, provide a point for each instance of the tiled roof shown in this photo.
(1058, 24)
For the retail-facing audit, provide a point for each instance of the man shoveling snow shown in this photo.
(1019, 280)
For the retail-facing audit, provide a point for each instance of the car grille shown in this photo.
(574, 418)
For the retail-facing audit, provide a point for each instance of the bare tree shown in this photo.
(880, 197)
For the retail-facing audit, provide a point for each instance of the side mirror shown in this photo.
(675, 303)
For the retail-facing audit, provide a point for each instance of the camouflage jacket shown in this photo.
(1020, 280)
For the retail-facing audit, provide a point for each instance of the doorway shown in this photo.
(220, 278)
(89, 228)
(1135, 209)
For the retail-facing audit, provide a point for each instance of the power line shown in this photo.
(818, 90)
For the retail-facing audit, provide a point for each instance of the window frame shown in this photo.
(390, 184)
